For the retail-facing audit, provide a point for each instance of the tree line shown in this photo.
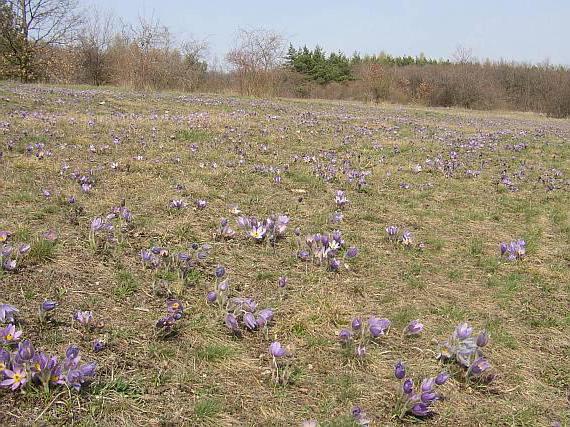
(52, 41)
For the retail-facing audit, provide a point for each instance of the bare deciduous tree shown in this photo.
(94, 41)
(463, 55)
(30, 27)
(255, 57)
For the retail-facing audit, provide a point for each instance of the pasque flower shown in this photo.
(48, 305)
(232, 323)
(414, 328)
(466, 349)
(345, 336)
(9, 334)
(14, 379)
(377, 326)
(276, 350)
(7, 312)
(399, 370)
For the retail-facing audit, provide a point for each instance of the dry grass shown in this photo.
(204, 376)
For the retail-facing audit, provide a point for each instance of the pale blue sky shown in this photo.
(522, 30)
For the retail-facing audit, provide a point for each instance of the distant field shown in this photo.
(461, 182)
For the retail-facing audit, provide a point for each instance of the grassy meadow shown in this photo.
(461, 182)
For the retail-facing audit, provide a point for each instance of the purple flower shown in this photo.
(441, 378)
(201, 204)
(48, 305)
(98, 346)
(427, 384)
(146, 256)
(220, 271)
(72, 355)
(360, 416)
(223, 285)
(352, 252)
(174, 306)
(177, 204)
(420, 410)
(9, 264)
(24, 248)
(25, 351)
(264, 317)
(482, 339)
(232, 323)
(340, 198)
(392, 230)
(50, 235)
(7, 312)
(97, 224)
(14, 379)
(9, 335)
(212, 296)
(4, 235)
(249, 321)
(282, 282)
(84, 317)
(479, 366)
(334, 264)
(344, 336)
(377, 326)
(414, 328)
(503, 248)
(337, 217)
(276, 350)
(399, 370)
(166, 323)
(514, 250)
(304, 255)
(356, 323)
(408, 386)
(429, 397)
(407, 238)
(463, 331)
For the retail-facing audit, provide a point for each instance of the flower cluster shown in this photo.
(465, 349)
(25, 367)
(85, 319)
(417, 402)
(10, 254)
(177, 204)
(340, 198)
(39, 150)
(361, 334)
(85, 180)
(514, 250)
(102, 230)
(221, 288)
(324, 249)
(272, 228)
(393, 234)
(243, 311)
(166, 325)
(224, 229)
(182, 262)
